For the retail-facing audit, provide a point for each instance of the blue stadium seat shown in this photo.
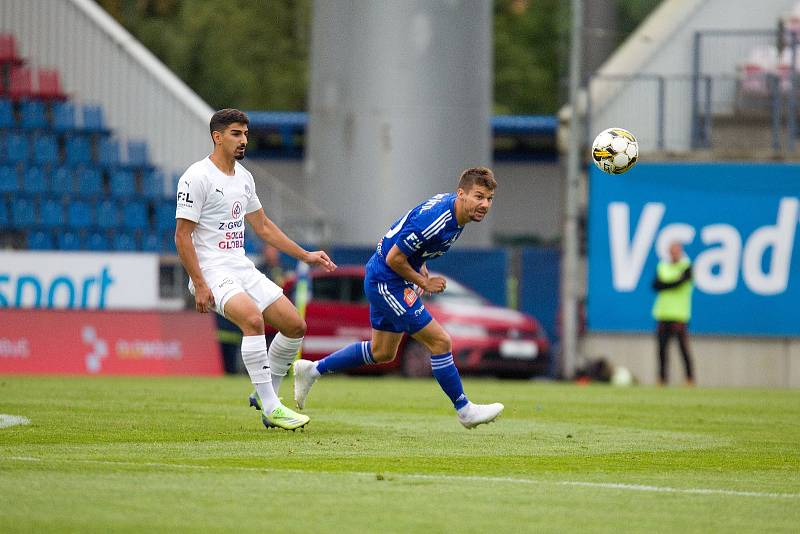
(137, 153)
(78, 150)
(97, 241)
(93, 119)
(6, 114)
(5, 221)
(253, 245)
(107, 214)
(123, 184)
(90, 181)
(45, 149)
(108, 152)
(23, 213)
(153, 184)
(63, 181)
(79, 214)
(168, 242)
(134, 216)
(17, 147)
(32, 114)
(63, 116)
(34, 180)
(151, 243)
(165, 216)
(51, 213)
(40, 240)
(124, 241)
(9, 183)
(69, 241)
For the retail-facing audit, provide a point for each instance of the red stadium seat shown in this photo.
(20, 84)
(49, 85)
(8, 50)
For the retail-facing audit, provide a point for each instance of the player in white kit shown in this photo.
(215, 197)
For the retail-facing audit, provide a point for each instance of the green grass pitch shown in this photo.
(388, 455)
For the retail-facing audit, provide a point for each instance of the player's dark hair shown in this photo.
(225, 117)
(477, 175)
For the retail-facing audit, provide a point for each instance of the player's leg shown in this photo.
(437, 340)
(246, 314)
(283, 350)
(662, 334)
(683, 342)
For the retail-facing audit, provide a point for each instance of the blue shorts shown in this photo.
(395, 307)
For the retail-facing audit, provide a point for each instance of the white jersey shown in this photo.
(218, 204)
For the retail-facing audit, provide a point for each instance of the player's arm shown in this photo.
(269, 232)
(203, 298)
(398, 262)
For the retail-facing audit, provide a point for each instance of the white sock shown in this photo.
(254, 354)
(282, 352)
(314, 371)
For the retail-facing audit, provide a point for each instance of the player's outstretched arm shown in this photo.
(269, 232)
(398, 262)
(203, 298)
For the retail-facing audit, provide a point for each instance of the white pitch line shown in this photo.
(13, 420)
(449, 478)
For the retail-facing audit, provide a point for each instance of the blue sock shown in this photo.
(445, 372)
(354, 355)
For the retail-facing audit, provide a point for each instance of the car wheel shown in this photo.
(416, 360)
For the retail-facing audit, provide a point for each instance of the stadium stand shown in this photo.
(63, 181)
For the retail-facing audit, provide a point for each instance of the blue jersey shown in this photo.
(425, 232)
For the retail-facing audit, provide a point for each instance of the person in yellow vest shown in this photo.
(672, 308)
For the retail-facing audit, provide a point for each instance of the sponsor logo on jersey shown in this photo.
(236, 211)
(184, 199)
(412, 241)
(410, 296)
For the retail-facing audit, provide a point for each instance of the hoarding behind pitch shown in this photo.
(738, 223)
(78, 280)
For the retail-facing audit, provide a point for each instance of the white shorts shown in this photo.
(225, 282)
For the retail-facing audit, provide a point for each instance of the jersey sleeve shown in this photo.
(192, 193)
(420, 229)
(253, 203)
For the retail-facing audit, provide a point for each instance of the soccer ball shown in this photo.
(615, 151)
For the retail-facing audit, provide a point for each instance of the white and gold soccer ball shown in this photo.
(615, 150)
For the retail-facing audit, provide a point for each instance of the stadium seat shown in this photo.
(20, 84)
(124, 241)
(32, 115)
(107, 214)
(78, 150)
(23, 213)
(48, 83)
(45, 149)
(7, 119)
(17, 147)
(253, 245)
(90, 181)
(108, 152)
(123, 184)
(168, 242)
(9, 182)
(63, 181)
(153, 184)
(5, 221)
(134, 216)
(97, 241)
(165, 216)
(151, 243)
(69, 241)
(93, 119)
(137, 154)
(40, 240)
(8, 50)
(63, 116)
(34, 180)
(51, 214)
(79, 214)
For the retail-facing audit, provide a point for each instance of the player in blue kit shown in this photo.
(396, 275)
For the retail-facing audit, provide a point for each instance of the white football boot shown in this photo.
(473, 415)
(304, 377)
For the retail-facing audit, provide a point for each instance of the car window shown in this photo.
(457, 294)
(327, 288)
(356, 290)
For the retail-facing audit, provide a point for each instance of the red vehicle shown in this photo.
(487, 339)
